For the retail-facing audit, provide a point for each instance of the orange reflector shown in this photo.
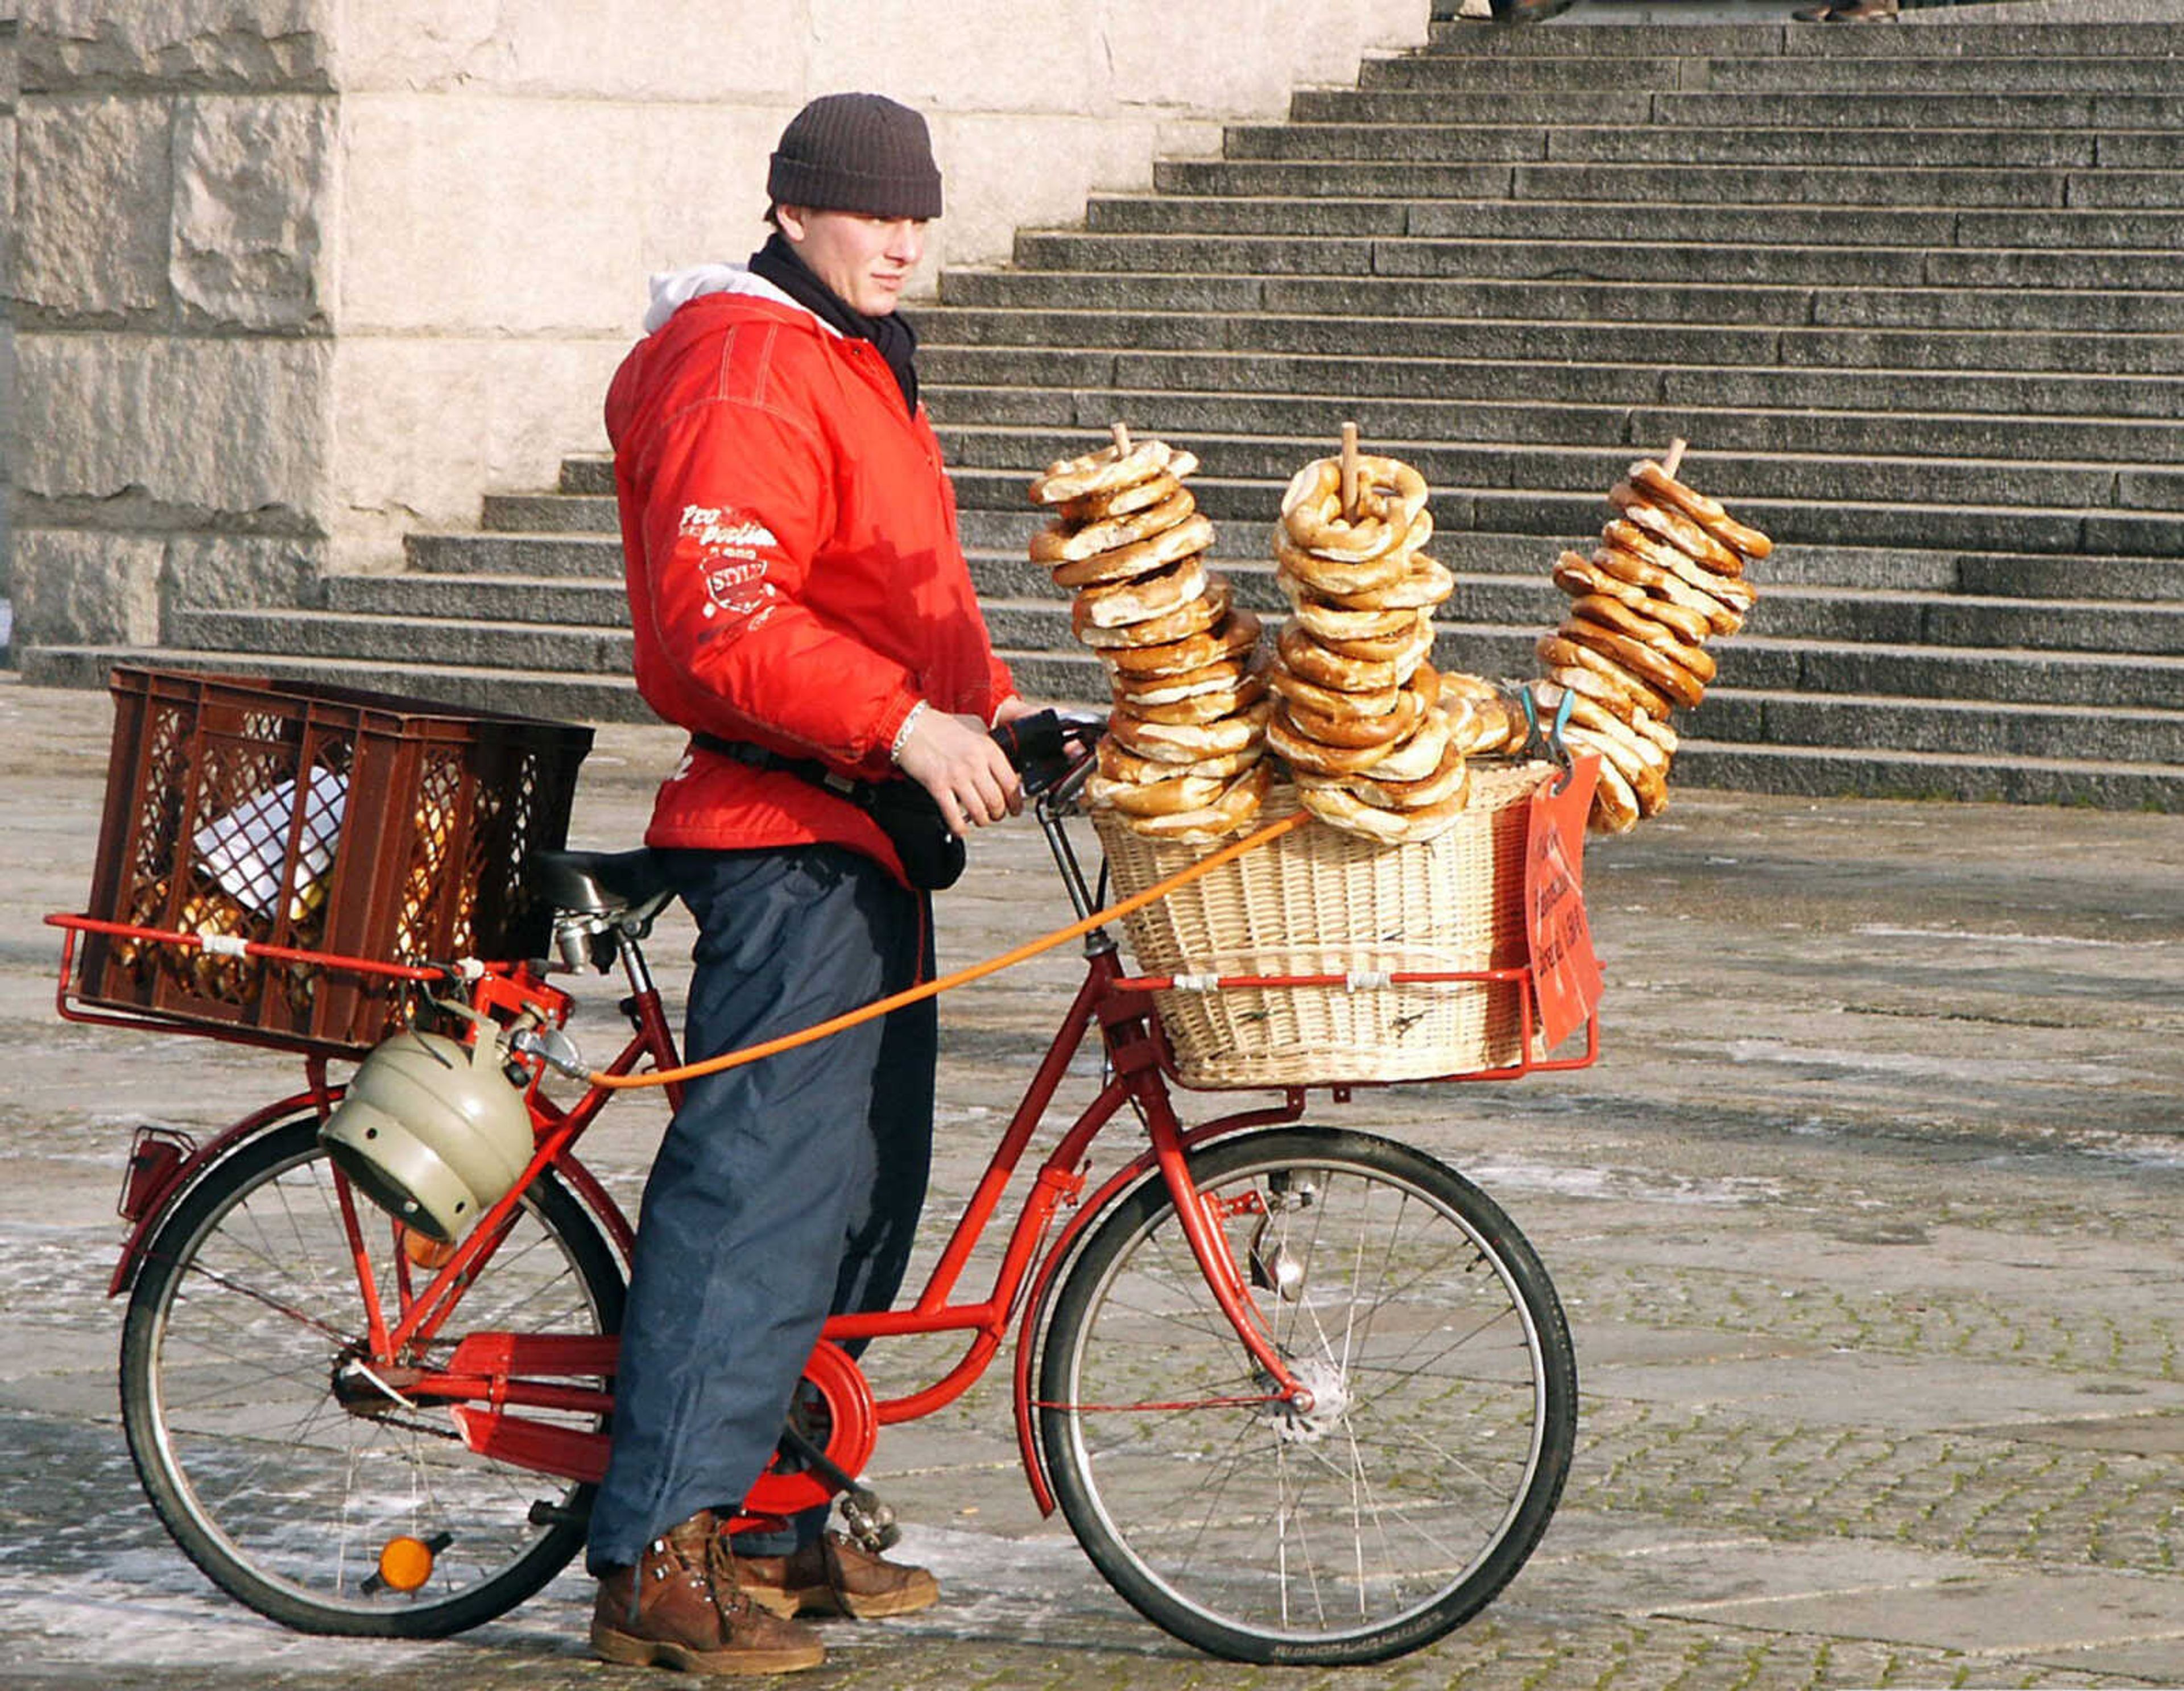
(405, 1563)
(426, 1251)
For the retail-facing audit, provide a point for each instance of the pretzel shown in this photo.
(1657, 483)
(1558, 653)
(1326, 619)
(1333, 701)
(1059, 543)
(1190, 617)
(1101, 471)
(1231, 638)
(1199, 707)
(1635, 659)
(1449, 779)
(1231, 812)
(1422, 585)
(1666, 522)
(1187, 742)
(1222, 676)
(1118, 762)
(1089, 508)
(1615, 614)
(1155, 798)
(1192, 535)
(1614, 805)
(1722, 613)
(1405, 650)
(1416, 756)
(1313, 517)
(1341, 809)
(1346, 727)
(1329, 668)
(1361, 585)
(1141, 598)
(1577, 577)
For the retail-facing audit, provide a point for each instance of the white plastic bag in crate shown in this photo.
(243, 849)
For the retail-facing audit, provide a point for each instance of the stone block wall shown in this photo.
(172, 296)
(295, 277)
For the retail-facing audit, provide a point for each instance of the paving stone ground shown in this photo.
(1866, 1221)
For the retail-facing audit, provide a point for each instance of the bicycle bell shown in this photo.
(430, 1132)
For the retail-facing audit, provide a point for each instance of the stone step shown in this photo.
(1973, 778)
(1037, 377)
(1778, 36)
(1815, 521)
(549, 693)
(1946, 727)
(1521, 339)
(1708, 109)
(1970, 675)
(495, 598)
(1816, 183)
(2016, 310)
(1182, 413)
(1723, 223)
(2040, 72)
(461, 640)
(1685, 145)
(563, 553)
(1656, 260)
(1565, 74)
(531, 514)
(1560, 466)
(1866, 615)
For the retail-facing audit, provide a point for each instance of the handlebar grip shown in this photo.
(1031, 740)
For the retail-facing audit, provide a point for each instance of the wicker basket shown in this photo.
(1320, 901)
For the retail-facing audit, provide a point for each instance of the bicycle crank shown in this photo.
(869, 1520)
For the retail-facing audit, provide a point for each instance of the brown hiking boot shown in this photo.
(679, 1607)
(832, 1577)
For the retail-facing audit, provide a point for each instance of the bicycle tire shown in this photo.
(1417, 1486)
(248, 1301)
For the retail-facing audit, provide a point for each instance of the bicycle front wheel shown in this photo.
(1444, 1415)
(247, 1306)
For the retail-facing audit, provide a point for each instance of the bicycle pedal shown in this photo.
(869, 1521)
(546, 1513)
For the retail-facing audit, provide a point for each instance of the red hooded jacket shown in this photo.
(796, 578)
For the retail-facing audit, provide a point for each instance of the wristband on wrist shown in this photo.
(902, 734)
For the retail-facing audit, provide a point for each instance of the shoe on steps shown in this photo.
(1854, 12)
(680, 1607)
(831, 1575)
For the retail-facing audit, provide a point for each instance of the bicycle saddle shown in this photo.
(601, 883)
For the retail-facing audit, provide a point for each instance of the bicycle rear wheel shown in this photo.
(246, 1306)
(1430, 1336)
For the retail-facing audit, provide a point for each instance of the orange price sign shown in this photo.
(1565, 973)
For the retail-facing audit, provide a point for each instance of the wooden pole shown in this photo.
(1675, 458)
(1350, 472)
(1121, 433)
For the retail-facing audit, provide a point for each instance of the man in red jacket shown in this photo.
(802, 604)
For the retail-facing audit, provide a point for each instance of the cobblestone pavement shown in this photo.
(1866, 1223)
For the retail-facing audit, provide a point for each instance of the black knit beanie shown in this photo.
(857, 153)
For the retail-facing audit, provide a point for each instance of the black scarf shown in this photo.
(778, 263)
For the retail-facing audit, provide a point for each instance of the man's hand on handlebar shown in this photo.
(954, 759)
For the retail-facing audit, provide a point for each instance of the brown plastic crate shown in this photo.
(408, 847)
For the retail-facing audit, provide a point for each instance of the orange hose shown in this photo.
(1030, 948)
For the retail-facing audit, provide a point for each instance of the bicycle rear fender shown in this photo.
(1116, 1186)
(162, 1200)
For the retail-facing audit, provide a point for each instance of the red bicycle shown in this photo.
(1304, 1394)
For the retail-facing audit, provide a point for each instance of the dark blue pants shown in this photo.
(782, 1190)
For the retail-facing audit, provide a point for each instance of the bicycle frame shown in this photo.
(489, 1375)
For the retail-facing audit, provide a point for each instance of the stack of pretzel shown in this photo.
(1377, 741)
(1182, 758)
(1668, 574)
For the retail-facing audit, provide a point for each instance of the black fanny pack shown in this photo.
(931, 856)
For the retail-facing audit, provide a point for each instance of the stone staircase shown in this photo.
(1909, 293)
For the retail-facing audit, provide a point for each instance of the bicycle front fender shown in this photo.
(184, 1176)
(1117, 1186)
